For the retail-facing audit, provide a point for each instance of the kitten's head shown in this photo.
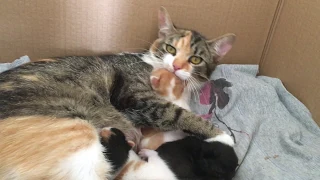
(167, 84)
(187, 53)
(116, 145)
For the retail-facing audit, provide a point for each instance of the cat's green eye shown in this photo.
(195, 60)
(170, 49)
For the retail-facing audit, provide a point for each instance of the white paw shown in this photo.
(223, 138)
(145, 153)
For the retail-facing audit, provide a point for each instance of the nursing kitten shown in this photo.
(189, 158)
(170, 87)
(117, 148)
(173, 89)
(54, 109)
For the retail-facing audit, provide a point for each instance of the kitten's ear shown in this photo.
(220, 46)
(165, 24)
(132, 144)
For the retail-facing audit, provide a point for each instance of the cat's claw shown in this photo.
(145, 153)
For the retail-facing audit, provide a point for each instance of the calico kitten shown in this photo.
(116, 148)
(85, 94)
(170, 87)
(188, 158)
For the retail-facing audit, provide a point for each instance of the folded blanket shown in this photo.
(276, 137)
(15, 63)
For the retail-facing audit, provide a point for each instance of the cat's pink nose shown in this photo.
(176, 68)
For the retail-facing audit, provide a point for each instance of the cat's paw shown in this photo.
(223, 138)
(145, 153)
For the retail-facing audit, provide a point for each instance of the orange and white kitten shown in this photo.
(171, 88)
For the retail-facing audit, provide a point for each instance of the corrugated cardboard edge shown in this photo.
(273, 27)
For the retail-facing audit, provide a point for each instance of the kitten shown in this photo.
(117, 148)
(189, 158)
(173, 89)
(78, 94)
(132, 166)
(170, 87)
(192, 158)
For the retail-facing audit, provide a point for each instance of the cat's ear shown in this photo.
(166, 26)
(220, 46)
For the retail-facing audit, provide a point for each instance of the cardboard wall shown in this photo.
(43, 29)
(294, 52)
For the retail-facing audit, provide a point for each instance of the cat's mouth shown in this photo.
(182, 74)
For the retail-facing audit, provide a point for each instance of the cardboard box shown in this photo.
(280, 35)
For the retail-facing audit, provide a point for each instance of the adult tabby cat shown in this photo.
(51, 111)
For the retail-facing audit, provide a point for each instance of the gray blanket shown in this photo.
(276, 137)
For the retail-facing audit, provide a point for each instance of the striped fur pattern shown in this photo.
(95, 92)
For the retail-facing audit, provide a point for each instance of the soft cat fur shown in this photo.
(189, 158)
(81, 95)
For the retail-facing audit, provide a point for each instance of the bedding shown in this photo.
(276, 137)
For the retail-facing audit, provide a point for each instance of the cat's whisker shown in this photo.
(191, 85)
(195, 86)
(201, 76)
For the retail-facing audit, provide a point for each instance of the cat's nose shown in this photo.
(176, 68)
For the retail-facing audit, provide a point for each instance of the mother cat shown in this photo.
(51, 111)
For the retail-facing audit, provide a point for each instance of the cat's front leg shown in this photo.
(164, 115)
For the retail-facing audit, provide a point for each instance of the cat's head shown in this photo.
(187, 53)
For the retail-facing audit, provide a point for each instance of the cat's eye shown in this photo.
(195, 60)
(170, 49)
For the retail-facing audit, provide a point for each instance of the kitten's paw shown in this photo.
(223, 138)
(145, 153)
